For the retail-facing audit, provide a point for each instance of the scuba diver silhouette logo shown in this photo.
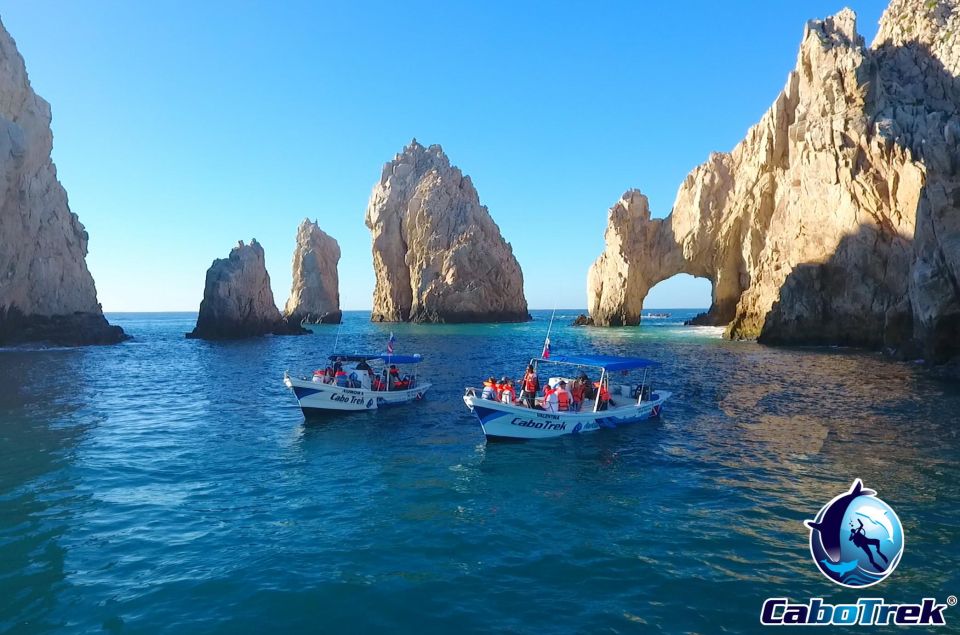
(856, 539)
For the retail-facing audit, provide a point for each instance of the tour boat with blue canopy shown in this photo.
(573, 402)
(356, 381)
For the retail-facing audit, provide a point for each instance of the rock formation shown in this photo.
(437, 254)
(46, 290)
(315, 294)
(237, 299)
(837, 219)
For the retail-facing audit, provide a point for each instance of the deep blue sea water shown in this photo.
(167, 485)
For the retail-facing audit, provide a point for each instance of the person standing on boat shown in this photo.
(531, 384)
(564, 397)
(508, 395)
(393, 378)
(577, 393)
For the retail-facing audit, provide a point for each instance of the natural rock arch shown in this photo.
(642, 252)
(837, 218)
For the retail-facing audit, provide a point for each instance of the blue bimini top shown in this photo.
(606, 362)
(390, 359)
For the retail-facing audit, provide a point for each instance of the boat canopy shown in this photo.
(390, 359)
(607, 362)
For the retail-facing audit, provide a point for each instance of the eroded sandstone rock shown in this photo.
(437, 254)
(237, 299)
(315, 292)
(46, 290)
(837, 219)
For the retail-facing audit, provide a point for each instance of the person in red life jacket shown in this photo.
(549, 400)
(489, 390)
(401, 384)
(393, 377)
(564, 398)
(377, 383)
(577, 392)
(529, 388)
(508, 395)
(603, 395)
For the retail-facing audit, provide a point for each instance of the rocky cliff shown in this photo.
(315, 294)
(46, 290)
(237, 299)
(837, 219)
(437, 254)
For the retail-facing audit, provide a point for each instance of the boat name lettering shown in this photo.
(539, 425)
(335, 396)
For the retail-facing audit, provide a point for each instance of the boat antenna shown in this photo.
(546, 341)
(336, 343)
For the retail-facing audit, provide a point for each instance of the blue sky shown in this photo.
(182, 127)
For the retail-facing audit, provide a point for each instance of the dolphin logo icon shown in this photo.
(831, 519)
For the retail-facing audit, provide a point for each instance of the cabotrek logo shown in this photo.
(856, 540)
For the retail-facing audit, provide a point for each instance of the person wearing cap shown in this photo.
(564, 397)
(489, 390)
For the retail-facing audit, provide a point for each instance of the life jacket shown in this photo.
(508, 395)
(563, 399)
(530, 383)
(499, 388)
(604, 393)
(577, 392)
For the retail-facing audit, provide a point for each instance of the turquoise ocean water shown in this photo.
(167, 485)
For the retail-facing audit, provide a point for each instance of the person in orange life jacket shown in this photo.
(393, 378)
(529, 388)
(549, 399)
(577, 392)
(377, 383)
(603, 396)
(564, 398)
(489, 390)
(501, 386)
(508, 395)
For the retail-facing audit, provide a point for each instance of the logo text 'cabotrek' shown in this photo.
(856, 539)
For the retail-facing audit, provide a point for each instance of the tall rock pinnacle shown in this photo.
(237, 299)
(46, 290)
(437, 254)
(315, 293)
(837, 219)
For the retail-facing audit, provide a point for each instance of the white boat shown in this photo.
(365, 384)
(629, 404)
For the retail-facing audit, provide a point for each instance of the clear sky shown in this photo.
(182, 127)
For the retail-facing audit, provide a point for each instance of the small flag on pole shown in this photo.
(546, 349)
(390, 344)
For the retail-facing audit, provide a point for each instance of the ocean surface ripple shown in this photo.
(167, 485)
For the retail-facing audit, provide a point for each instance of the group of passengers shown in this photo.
(556, 398)
(363, 376)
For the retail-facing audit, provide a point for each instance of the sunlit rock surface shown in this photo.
(315, 292)
(46, 290)
(837, 219)
(237, 299)
(437, 254)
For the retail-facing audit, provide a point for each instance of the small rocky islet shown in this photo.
(835, 221)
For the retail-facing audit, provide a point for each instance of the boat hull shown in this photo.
(506, 421)
(319, 398)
